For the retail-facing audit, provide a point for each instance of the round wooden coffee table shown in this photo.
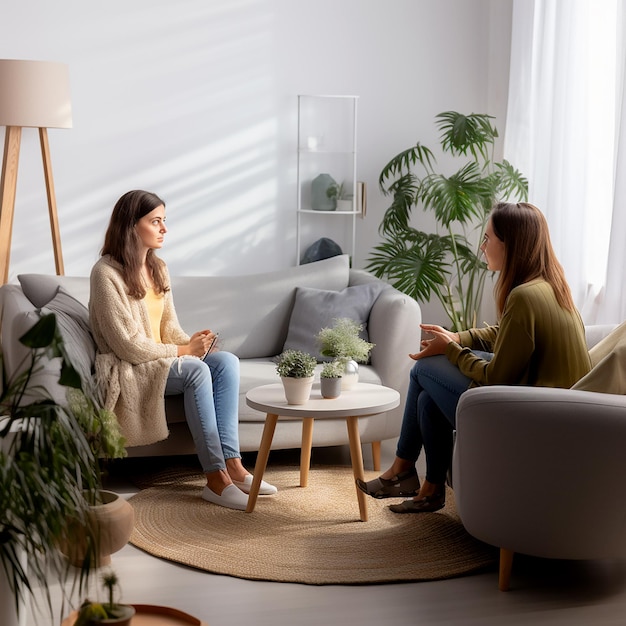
(365, 399)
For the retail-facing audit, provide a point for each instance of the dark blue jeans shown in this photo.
(429, 419)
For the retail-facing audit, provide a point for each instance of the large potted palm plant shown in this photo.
(446, 263)
(47, 467)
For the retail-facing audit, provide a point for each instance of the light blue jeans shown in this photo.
(429, 419)
(210, 391)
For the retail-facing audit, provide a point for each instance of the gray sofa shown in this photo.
(255, 315)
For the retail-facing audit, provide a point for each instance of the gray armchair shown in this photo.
(542, 472)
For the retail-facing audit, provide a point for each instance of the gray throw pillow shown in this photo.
(41, 288)
(315, 309)
(73, 323)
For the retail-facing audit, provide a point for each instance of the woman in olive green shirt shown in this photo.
(540, 340)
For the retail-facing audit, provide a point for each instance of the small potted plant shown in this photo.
(330, 379)
(295, 369)
(343, 201)
(344, 343)
(111, 612)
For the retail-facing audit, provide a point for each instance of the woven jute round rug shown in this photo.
(309, 535)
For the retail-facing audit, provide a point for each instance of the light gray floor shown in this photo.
(543, 592)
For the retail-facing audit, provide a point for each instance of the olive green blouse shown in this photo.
(537, 343)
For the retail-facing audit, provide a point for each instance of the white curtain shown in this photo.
(566, 131)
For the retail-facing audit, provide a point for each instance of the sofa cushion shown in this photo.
(315, 309)
(73, 324)
(608, 359)
(41, 288)
(72, 321)
(252, 312)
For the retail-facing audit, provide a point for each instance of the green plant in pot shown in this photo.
(447, 263)
(343, 341)
(330, 379)
(46, 467)
(296, 369)
(342, 199)
(111, 517)
(110, 612)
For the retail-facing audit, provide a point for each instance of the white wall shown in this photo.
(196, 100)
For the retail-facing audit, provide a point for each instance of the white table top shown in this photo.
(364, 399)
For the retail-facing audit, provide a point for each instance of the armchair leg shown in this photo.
(376, 455)
(506, 564)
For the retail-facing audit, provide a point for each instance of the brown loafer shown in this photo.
(403, 485)
(427, 504)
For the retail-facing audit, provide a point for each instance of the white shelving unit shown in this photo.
(326, 145)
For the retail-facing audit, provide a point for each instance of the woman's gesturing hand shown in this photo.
(436, 345)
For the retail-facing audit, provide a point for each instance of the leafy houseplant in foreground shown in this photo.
(46, 466)
(447, 263)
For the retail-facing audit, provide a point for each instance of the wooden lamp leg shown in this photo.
(52, 203)
(8, 185)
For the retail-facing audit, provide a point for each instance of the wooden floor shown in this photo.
(542, 591)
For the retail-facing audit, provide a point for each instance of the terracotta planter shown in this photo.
(297, 390)
(330, 387)
(127, 612)
(110, 525)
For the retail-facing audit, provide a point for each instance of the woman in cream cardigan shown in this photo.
(144, 354)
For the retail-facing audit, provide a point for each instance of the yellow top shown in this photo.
(155, 306)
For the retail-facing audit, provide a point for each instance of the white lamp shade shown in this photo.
(35, 94)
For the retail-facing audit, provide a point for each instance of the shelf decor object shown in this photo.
(326, 182)
(34, 94)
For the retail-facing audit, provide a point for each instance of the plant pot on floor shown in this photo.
(297, 390)
(111, 525)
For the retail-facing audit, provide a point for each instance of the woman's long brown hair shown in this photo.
(528, 252)
(123, 245)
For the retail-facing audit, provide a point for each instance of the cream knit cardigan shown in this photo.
(131, 368)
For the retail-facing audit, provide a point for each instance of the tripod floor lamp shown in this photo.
(33, 94)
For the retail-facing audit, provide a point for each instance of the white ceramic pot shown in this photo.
(297, 390)
(350, 376)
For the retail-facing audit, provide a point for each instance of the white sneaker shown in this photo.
(231, 498)
(246, 484)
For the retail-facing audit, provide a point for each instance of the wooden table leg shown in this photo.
(356, 456)
(305, 450)
(261, 460)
